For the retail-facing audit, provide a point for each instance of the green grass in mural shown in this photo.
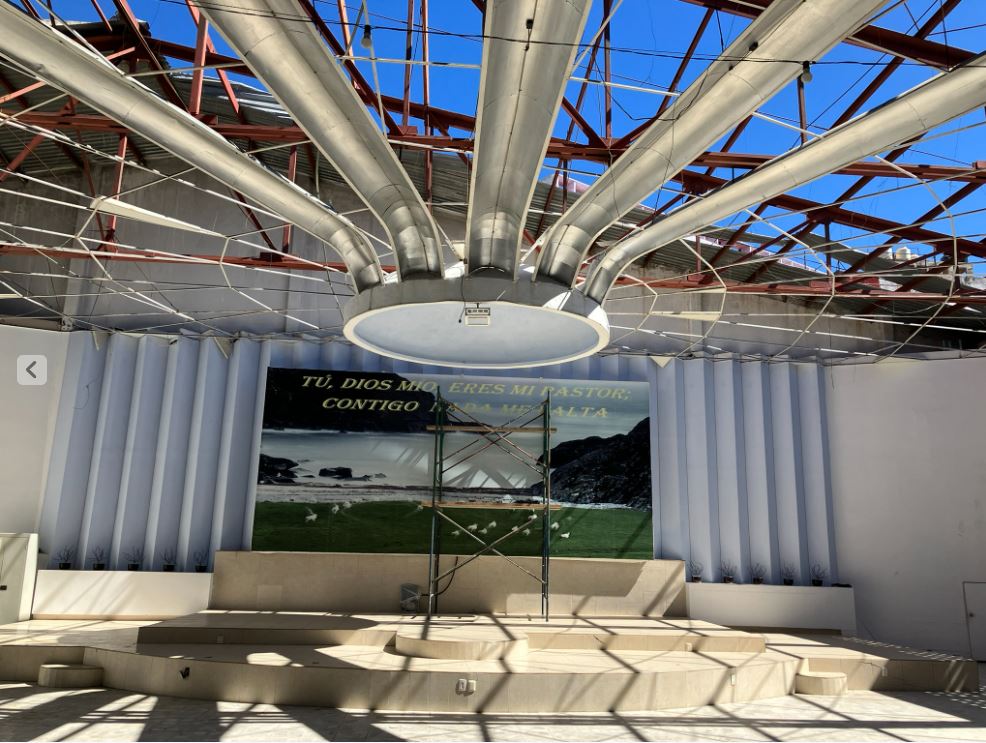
(400, 526)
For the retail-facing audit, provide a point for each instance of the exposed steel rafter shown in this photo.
(125, 38)
(872, 37)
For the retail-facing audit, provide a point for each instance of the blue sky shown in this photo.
(649, 37)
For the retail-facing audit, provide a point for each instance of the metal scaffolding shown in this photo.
(450, 418)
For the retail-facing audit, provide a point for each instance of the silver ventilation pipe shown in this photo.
(930, 104)
(767, 56)
(83, 74)
(288, 56)
(527, 58)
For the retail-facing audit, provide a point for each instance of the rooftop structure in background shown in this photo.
(688, 241)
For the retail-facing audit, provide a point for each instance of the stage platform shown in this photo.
(570, 664)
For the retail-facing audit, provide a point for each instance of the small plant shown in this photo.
(757, 573)
(64, 558)
(98, 556)
(168, 560)
(201, 561)
(695, 569)
(134, 557)
(787, 574)
(728, 571)
(818, 574)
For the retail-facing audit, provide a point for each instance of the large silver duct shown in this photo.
(931, 104)
(765, 58)
(527, 58)
(85, 75)
(292, 61)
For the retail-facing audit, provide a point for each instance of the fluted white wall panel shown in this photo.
(158, 439)
(202, 463)
(133, 504)
(743, 471)
(758, 445)
(108, 446)
(171, 455)
(71, 448)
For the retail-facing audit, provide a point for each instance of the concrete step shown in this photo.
(825, 683)
(461, 643)
(69, 676)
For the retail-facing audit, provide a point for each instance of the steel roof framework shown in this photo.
(126, 41)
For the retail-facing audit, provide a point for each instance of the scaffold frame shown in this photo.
(451, 418)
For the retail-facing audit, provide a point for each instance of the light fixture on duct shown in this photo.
(487, 319)
(806, 76)
(367, 41)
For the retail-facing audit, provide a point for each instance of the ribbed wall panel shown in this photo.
(71, 455)
(700, 460)
(158, 440)
(742, 471)
(164, 512)
(788, 471)
(815, 471)
(235, 448)
(758, 445)
(108, 447)
(133, 505)
(668, 436)
(202, 464)
(734, 531)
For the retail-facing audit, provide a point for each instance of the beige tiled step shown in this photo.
(465, 642)
(70, 676)
(379, 630)
(827, 683)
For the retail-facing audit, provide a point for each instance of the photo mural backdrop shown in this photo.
(346, 465)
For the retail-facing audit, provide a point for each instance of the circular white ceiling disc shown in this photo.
(487, 322)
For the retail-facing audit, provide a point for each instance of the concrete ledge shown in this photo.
(364, 582)
(798, 608)
(119, 594)
(826, 683)
(70, 676)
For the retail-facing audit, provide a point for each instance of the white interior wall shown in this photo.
(909, 478)
(27, 423)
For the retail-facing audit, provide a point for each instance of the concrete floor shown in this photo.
(28, 712)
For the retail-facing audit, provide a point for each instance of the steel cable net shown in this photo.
(103, 229)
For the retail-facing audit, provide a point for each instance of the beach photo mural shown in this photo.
(346, 465)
